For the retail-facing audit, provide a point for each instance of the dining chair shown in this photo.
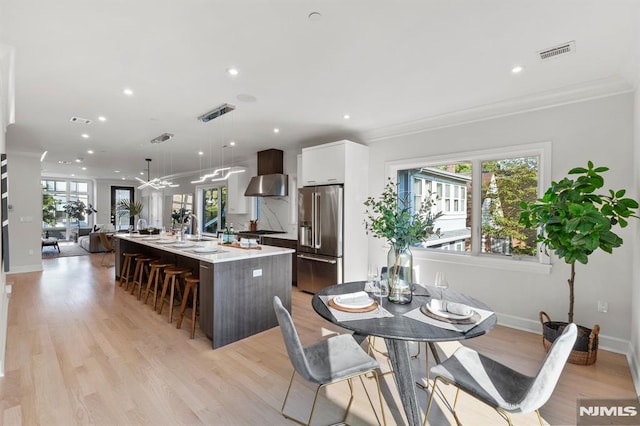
(497, 385)
(326, 362)
(106, 243)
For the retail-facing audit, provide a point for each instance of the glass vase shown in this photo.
(141, 225)
(400, 274)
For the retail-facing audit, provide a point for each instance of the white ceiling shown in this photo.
(393, 66)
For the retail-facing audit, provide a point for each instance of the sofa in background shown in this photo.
(91, 241)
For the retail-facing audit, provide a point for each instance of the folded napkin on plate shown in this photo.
(451, 307)
(357, 298)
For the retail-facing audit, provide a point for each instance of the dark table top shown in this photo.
(400, 327)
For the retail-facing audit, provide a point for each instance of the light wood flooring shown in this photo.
(81, 350)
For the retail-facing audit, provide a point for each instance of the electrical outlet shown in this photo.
(603, 306)
(257, 273)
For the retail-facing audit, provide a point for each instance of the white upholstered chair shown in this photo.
(497, 385)
(326, 362)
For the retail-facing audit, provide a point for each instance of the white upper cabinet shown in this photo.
(324, 164)
(237, 183)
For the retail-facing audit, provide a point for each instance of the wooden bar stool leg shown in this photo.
(183, 305)
(154, 272)
(193, 310)
(164, 292)
(133, 282)
(155, 290)
(191, 286)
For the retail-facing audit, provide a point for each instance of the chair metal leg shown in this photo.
(315, 400)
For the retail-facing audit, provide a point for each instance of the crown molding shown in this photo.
(609, 86)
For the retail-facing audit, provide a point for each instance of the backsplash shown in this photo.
(276, 214)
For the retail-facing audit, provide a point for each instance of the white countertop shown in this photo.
(226, 253)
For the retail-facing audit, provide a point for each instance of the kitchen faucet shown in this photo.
(194, 223)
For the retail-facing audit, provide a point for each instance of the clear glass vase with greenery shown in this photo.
(392, 217)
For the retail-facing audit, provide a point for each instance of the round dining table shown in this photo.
(398, 330)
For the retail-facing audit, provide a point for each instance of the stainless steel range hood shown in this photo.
(271, 181)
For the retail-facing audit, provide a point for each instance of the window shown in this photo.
(55, 194)
(212, 203)
(498, 179)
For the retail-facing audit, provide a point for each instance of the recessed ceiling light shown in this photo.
(79, 160)
(232, 71)
(84, 135)
(123, 178)
(346, 116)
(517, 69)
(83, 168)
(73, 174)
(276, 130)
(141, 173)
(232, 143)
(102, 118)
(128, 92)
(116, 171)
(199, 153)
(90, 151)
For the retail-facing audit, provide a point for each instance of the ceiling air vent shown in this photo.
(80, 120)
(221, 110)
(162, 138)
(560, 50)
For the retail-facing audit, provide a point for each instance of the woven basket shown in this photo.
(585, 350)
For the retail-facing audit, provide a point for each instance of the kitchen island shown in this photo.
(236, 285)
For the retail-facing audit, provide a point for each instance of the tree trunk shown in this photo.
(570, 281)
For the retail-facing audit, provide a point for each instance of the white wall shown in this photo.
(634, 351)
(25, 218)
(599, 130)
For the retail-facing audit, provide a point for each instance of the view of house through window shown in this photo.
(504, 183)
(57, 193)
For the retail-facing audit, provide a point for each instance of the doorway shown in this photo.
(119, 193)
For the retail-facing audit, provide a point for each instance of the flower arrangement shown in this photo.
(390, 217)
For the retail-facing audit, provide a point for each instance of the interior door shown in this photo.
(119, 193)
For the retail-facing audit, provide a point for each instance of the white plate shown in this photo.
(152, 238)
(353, 300)
(137, 236)
(206, 250)
(448, 315)
(166, 242)
(184, 245)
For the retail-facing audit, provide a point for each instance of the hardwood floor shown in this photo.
(81, 350)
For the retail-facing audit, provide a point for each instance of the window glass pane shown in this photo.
(73, 186)
(214, 202)
(60, 185)
(82, 187)
(505, 183)
(448, 182)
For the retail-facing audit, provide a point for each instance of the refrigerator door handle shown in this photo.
(317, 259)
(317, 232)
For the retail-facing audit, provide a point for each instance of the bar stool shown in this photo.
(155, 269)
(126, 269)
(142, 266)
(170, 275)
(190, 283)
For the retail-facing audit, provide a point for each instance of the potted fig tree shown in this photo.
(573, 221)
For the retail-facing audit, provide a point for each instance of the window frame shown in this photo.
(542, 150)
(68, 194)
(199, 211)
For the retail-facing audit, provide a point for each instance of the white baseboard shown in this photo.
(634, 365)
(25, 268)
(607, 343)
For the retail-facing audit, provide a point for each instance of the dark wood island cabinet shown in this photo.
(236, 285)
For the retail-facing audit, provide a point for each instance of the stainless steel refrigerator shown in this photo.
(320, 237)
